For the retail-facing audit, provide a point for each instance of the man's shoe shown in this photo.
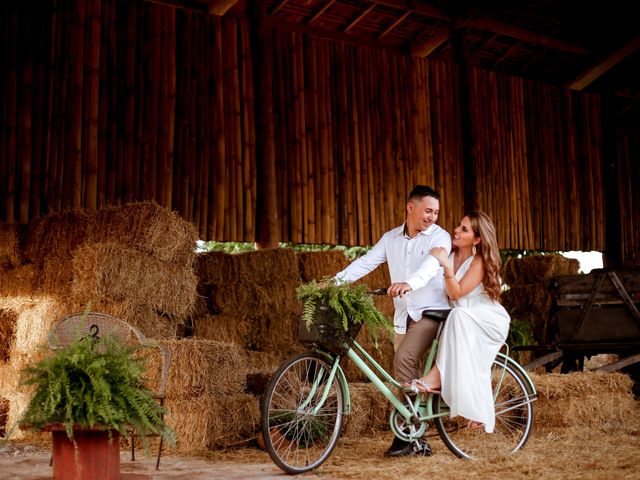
(422, 448)
(399, 448)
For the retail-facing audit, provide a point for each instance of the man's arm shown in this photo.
(363, 265)
(430, 266)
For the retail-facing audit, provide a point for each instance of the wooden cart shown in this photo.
(593, 314)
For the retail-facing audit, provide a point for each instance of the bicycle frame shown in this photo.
(355, 354)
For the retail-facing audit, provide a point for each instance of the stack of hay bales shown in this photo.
(528, 297)
(249, 299)
(205, 400)
(603, 402)
(134, 262)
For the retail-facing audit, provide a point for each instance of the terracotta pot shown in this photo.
(90, 455)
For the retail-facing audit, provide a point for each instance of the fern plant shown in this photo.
(352, 305)
(94, 383)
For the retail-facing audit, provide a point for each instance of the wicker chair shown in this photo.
(96, 325)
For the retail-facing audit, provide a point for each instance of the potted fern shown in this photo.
(88, 394)
(333, 314)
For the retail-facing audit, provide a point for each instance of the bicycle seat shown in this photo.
(437, 315)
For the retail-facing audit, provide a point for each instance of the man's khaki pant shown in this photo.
(410, 349)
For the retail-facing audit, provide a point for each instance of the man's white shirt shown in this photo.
(409, 261)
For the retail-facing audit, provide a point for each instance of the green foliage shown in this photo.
(520, 333)
(352, 304)
(93, 383)
(237, 247)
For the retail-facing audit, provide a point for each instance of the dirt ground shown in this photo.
(575, 453)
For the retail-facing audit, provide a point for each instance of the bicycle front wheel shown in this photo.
(514, 418)
(302, 413)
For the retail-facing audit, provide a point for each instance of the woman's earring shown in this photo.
(473, 250)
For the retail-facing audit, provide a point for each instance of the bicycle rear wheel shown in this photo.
(300, 425)
(514, 418)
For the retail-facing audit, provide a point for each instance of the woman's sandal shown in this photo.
(416, 383)
(473, 425)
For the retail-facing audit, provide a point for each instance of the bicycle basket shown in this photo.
(327, 331)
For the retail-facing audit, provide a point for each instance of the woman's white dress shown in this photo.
(472, 336)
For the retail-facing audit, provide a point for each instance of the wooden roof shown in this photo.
(581, 45)
(593, 46)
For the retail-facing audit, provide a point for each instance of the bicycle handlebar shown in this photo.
(378, 291)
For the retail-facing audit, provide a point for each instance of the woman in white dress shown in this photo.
(476, 327)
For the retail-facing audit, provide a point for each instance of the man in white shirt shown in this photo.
(416, 285)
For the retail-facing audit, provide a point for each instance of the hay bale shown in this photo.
(56, 275)
(316, 265)
(370, 411)
(538, 269)
(35, 317)
(258, 309)
(223, 328)
(207, 422)
(9, 245)
(214, 271)
(8, 320)
(20, 281)
(4, 413)
(191, 369)
(56, 234)
(146, 227)
(114, 272)
(264, 267)
(383, 354)
(602, 401)
(215, 267)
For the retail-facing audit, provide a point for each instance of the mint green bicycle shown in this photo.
(304, 405)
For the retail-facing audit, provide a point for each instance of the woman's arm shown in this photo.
(468, 282)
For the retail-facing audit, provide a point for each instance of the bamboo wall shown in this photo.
(111, 101)
(628, 151)
(107, 102)
(538, 159)
(357, 128)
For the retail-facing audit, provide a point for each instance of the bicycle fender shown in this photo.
(516, 366)
(342, 379)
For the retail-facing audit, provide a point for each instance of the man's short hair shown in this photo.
(420, 191)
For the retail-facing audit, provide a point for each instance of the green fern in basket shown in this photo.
(93, 383)
(352, 304)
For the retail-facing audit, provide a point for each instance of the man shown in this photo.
(416, 285)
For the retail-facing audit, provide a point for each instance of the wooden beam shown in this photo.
(220, 7)
(539, 362)
(356, 20)
(508, 53)
(194, 5)
(320, 11)
(625, 362)
(278, 6)
(424, 48)
(595, 72)
(416, 7)
(525, 35)
(329, 35)
(394, 24)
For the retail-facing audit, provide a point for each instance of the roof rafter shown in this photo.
(593, 73)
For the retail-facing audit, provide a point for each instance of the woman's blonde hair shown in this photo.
(488, 250)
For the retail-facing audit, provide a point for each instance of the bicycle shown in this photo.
(306, 399)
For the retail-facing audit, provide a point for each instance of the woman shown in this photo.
(476, 327)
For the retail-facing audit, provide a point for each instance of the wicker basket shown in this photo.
(327, 331)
